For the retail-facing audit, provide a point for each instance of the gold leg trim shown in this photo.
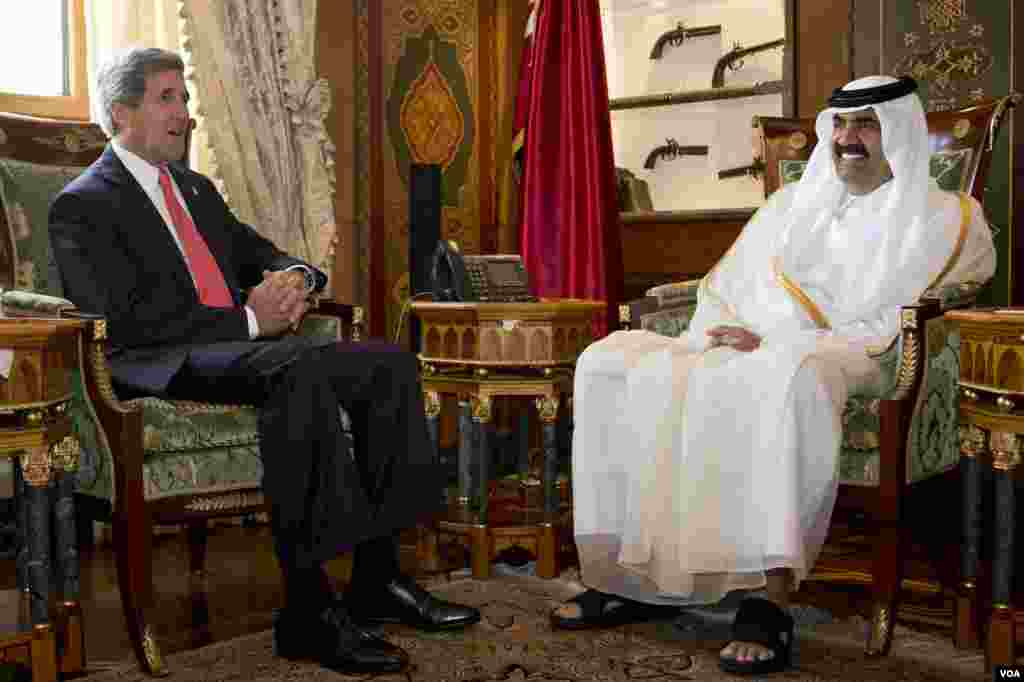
(881, 632)
(152, 652)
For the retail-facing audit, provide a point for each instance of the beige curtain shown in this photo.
(252, 64)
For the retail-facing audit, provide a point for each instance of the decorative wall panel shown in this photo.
(960, 53)
(421, 58)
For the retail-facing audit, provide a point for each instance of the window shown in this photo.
(43, 60)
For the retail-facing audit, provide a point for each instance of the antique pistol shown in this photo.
(733, 59)
(680, 33)
(754, 170)
(671, 149)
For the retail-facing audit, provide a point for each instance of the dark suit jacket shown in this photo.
(118, 259)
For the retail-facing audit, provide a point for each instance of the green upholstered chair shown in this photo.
(144, 461)
(906, 433)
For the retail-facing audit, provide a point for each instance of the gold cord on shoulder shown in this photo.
(794, 290)
(965, 222)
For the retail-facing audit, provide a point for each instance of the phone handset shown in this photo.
(448, 272)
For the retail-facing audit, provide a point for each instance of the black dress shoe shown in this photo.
(403, 601)
(335, 642)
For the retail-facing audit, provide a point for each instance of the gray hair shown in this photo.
(122, 80)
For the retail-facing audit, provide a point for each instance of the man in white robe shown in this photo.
(708, 463)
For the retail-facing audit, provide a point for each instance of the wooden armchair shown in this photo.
(145, 461)
(906, 434)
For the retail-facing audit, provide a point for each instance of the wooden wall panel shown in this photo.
(336, 61)
(822, 55)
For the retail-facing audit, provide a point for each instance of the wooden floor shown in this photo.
(242, 588)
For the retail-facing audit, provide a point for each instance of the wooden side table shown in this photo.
(991, 433)
(36, 434)
(479, 352)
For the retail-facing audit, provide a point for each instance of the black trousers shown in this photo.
(327, 492)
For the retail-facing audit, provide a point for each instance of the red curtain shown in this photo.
(570, 235)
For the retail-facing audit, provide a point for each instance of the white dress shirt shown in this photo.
(148, 176)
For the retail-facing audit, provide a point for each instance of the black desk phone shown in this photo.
(488, 279)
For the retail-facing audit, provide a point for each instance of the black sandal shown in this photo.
(602, 610)
(760, 621)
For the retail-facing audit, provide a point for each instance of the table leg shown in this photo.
(465, 452)
(37, 471)
(432, 408)
(547, 407)
(482, 415)
(547, 544)
(71, 646)
(1005, 447)
(973, 441)
(21, 511)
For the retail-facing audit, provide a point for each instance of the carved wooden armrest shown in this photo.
(352, 316)
(95, 367)
(956, 295)
(18, 303)
(912, 347)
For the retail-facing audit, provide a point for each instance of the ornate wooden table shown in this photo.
(479, 352)
(36, 434)
(991, 432)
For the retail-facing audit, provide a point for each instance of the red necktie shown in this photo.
(209, 280)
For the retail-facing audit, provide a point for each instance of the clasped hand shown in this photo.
(279, 301)
(735, 337)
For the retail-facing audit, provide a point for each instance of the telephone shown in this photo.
(488, 279)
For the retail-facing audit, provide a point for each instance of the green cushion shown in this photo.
(27, 190)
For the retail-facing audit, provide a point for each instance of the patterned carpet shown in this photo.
(515, 642)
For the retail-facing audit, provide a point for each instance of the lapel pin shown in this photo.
(195, 192)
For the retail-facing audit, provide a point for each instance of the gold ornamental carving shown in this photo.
(432, 404)
(881, 627)
(433, 123)
(798, 140)
(101, 373)
(961, 128)
(74, 141)
(99, 330)
(225, 501)
(64, 453)
(909, 364)
(943, 16)
(547, 408)
(1005, 448)
(35, 464)
(357, 323)
(151, 650)
(972, 440)
(481, 408)
(908, 319)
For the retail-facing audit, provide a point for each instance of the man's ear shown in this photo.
(119, 114)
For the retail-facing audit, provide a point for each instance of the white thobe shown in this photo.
(697, 469)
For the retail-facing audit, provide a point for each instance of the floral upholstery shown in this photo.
(933, 446)
(189, 448)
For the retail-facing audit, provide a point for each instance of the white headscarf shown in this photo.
(895, 267)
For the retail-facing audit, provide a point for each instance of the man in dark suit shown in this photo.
(152, 246)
